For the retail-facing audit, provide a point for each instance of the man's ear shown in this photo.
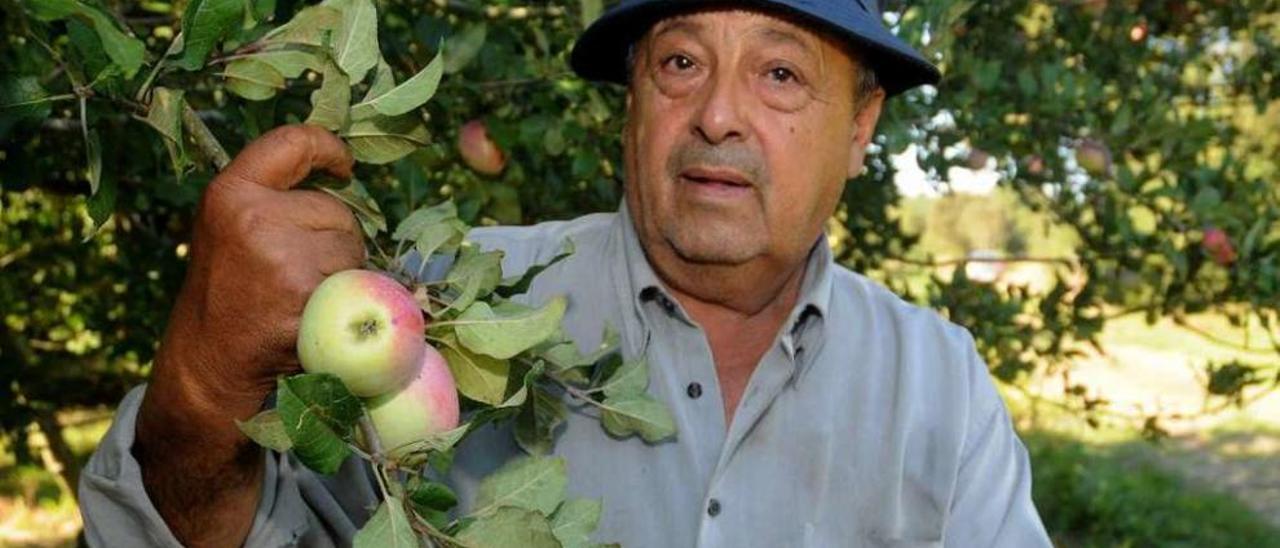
(864, 128)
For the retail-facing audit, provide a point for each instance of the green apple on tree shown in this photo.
(428, 405)
(365, 328)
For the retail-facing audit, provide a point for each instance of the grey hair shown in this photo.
(863, 88)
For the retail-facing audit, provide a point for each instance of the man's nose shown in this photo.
(721, 115)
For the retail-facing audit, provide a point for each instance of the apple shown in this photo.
(1034, 164)
(1138, 32)
(1093, 157)
(478, 150)
(428, 405)
(1218, 245)
(365, 328)
(977, 159)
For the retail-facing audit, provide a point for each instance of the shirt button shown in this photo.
(694, 390)
(713, 508)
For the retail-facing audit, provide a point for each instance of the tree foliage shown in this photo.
(1138, 125)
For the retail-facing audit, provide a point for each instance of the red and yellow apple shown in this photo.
(478, 150)
(365, 328)
(427, 406)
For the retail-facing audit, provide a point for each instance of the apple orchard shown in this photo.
(1145, 130)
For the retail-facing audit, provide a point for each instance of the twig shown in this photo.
(204, 138)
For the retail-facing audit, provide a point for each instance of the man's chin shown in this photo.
(717, 246)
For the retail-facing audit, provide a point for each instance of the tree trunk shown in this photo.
(57, 455)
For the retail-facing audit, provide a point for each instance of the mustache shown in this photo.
(736, 157)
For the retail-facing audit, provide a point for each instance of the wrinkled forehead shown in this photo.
(766, 26)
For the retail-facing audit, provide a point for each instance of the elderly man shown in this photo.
(814, 408)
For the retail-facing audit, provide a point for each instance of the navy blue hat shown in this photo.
(601, 52)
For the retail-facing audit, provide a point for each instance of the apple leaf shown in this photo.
(383, 80)
(432, 229)
(481, 270)
(355, 47)
(590, 11)
(383, 139)
(165, 115)
(509, 329)
(427, 494)
(291, 63)
(509, 526)
(204, 24)
(574, 522)
(308, 27)
(637, 414)
(253, 79)
(331, 101)
(479, 377)
(417, 452)
(93, 154)
(531, 483)
(267, 429)
(630, 379)
(537, 421)
(411, 94)
(22, 99)
(356, 197)
(319, 415)
(463, 47)
(516, 285)
(389, 527)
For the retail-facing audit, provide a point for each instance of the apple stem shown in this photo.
(371, 436)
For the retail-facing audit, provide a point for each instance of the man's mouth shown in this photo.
(719, 178)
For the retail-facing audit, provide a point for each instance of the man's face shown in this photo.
(741, 132)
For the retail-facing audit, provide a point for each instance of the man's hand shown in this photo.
(258, 249)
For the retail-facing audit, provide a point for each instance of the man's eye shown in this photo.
(782, 75)
(678, 62)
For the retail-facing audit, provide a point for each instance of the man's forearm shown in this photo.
(202, 475)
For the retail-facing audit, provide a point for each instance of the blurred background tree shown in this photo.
(1132, 145)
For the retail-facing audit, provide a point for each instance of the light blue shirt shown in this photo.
(868, 422)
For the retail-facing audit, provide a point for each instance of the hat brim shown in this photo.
(601, 52)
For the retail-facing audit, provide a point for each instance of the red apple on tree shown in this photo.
(977, 159)
(365, 328)
(428, 405)
(1218, 245)
(1034, 164)
(478, 150)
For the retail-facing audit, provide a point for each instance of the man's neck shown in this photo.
(740, 309)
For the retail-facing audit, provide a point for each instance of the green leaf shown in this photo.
(441, 442)
(538, 419)
(102, 205)
(253, 79)
(331, 101)
(503, 334)
(509, 527)
(432, 229)
(389, 527)
(382, 139)
(463, 47)
(383, 81)
(204, 24)
(319, 414)
(267, 429)
(423, 218)
(355, 47)
(531, 483)
(291, 63)
(520, 284)
(630, 379)
(476, 272)
(590, 10)
(574, 522)
(124, 50)
(165, 115)
(411, 94)
(424, 493)
(309, 27)
(479, 377)
(93, 153)
(362, 204)
(21, 99)
(637, 414)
